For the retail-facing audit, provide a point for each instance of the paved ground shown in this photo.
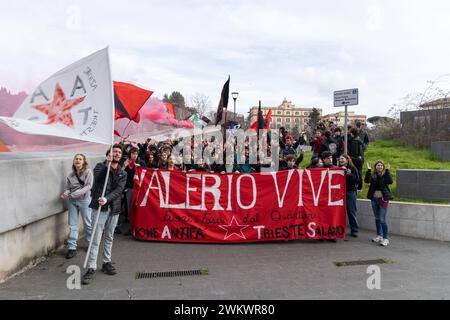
(281, 270)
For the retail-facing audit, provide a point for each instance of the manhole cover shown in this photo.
(166, 274)
(361, 262)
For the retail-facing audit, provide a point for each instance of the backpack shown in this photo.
(332, 147)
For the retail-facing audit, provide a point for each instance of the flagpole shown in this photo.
(257, 134)
(126, 128)
(225, 127)
(99, 209)
(109, 165)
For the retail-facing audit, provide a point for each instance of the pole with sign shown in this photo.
(346, 98)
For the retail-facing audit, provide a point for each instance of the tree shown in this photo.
(420, 117)
(176, 99)
(314, 118)
(376, 119)
(248, 119)
(200, 103)
(296, 132)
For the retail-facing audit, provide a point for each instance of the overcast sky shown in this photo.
(299, 50)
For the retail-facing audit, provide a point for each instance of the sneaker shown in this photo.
(108, 269)
(354, 235)
(117, 230)
(88, 276)
(384, 242)
(378, 239)
(71, 253)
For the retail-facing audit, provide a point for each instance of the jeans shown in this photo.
(76, 206)
(380, 218)
(106, 225)
(352, 211)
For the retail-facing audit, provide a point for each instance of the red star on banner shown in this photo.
(59, 109)
(233, 228)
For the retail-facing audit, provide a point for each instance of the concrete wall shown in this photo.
(34, 218)
(441, 149)
(423, 184)
(424, 221)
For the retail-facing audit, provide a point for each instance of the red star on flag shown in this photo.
(59, 109)
(234, 229)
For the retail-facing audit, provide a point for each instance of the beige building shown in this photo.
(339, 118)
(436, 104)
(285, 115)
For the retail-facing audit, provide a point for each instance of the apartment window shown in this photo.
(297, 113)
(278, 112)
(296, 120)
(278, 119)
(288, 113)
(288, 119)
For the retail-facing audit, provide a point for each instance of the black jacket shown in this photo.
(355, 150)
(289, 149)
(379, 183)
(364, 136)
(340, 146)
(325, 145)
(114, 188)
(131, 172)
(352, 179)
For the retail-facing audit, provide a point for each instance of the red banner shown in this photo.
(209, 207)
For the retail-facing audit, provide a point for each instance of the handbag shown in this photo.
(383, 203)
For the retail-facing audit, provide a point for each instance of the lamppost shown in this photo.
(235, 96)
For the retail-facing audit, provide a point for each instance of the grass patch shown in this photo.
(399, 157)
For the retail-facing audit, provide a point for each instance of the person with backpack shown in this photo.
(328, 144)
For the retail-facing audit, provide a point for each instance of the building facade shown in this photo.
(443, 103)
(339, 118)
(286, 115)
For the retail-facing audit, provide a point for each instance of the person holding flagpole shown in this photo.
(110, 206)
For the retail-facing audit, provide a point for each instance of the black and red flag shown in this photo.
(128, 100)
(223, 104)
(261, 120)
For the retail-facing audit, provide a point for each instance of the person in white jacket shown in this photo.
(78, 196)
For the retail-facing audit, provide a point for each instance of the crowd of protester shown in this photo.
(328, 151)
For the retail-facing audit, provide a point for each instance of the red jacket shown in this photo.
(317, 141)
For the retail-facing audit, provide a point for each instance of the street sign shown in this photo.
(344, 98)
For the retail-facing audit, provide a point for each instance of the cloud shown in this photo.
(295, 49)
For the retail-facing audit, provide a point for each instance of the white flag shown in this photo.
(76, 102)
